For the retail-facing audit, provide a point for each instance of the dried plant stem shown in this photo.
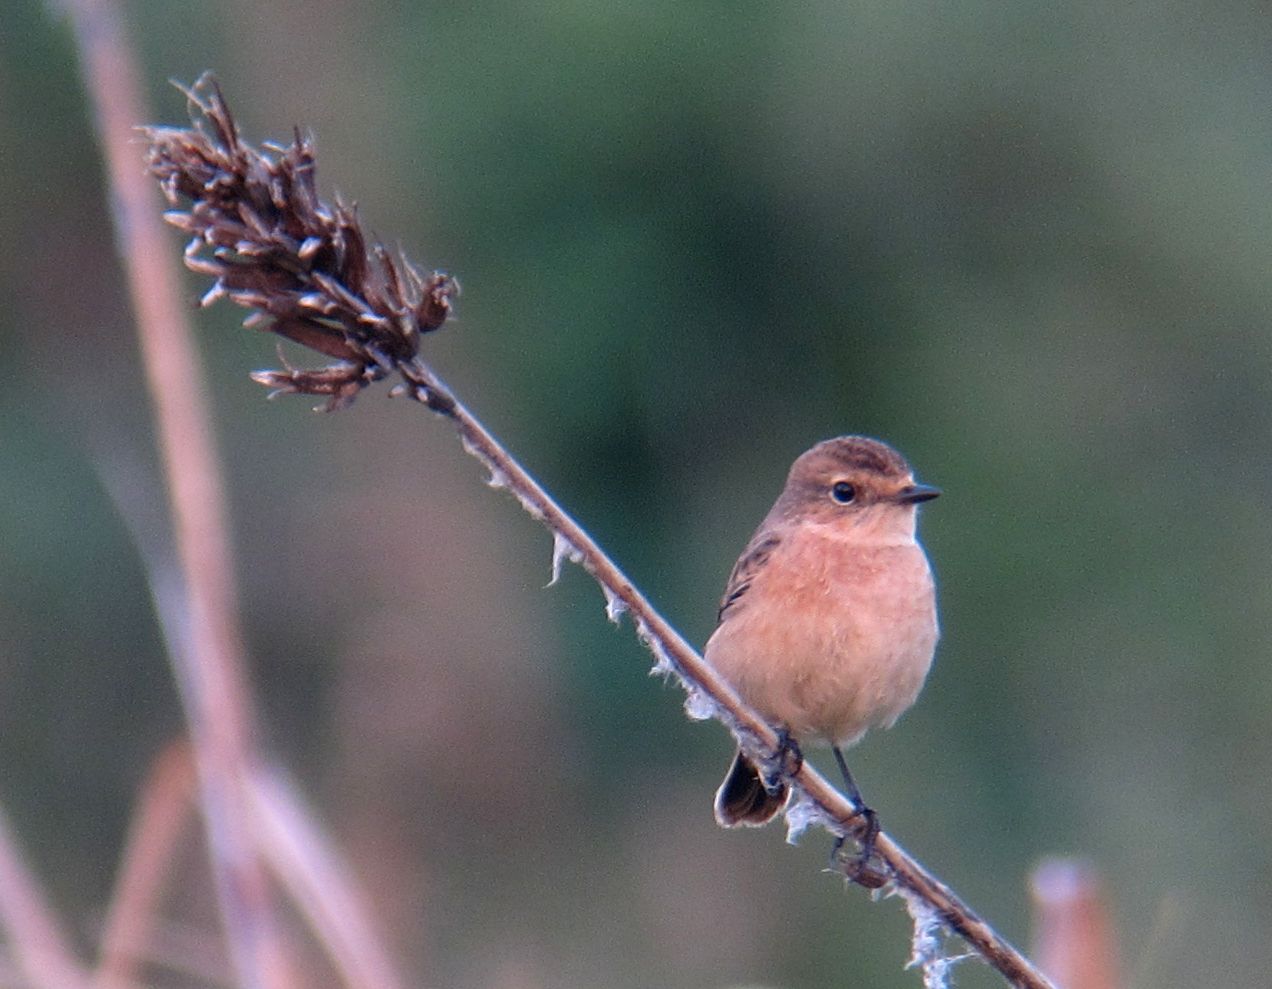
(283, 831)
(41, 951)
(209, 666)
(164, 809)
(307, 865)
(1073, 933)
(836, 811)
(310, 275)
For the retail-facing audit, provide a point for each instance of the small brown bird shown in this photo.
(828, 622)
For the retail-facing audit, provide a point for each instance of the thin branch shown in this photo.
(309, 868)
(164, 808)
(208, 661)
(305, 270)
(708, 693)
(41, 950)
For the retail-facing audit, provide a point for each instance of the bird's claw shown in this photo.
(787, 760)
(862, 867)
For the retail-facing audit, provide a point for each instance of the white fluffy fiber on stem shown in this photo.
(614, 606)
(802, 813)
(562, 550)
(928, 943)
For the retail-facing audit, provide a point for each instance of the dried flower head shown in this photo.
(304, 268)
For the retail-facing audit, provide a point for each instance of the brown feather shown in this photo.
(743, 800)
(749, 564)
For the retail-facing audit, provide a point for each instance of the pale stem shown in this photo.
(209, 667)
(41, 949)
(164, 809)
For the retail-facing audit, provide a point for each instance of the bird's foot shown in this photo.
(787, 760)
(861, 867)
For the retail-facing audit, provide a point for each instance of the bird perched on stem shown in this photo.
(828, 622)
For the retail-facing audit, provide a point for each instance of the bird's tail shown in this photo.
(743, 800)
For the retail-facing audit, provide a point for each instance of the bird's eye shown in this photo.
(843, 492)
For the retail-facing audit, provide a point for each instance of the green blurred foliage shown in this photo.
(1026, 243)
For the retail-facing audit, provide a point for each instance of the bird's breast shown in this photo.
(831, 639)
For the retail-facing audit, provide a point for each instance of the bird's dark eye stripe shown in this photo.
(843, 492)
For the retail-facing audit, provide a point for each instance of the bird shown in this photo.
(828, 622)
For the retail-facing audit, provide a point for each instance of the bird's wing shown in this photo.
(749, 565)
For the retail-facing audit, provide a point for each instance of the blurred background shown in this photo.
(1029, 245)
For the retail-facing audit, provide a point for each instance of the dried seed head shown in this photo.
(305, 268)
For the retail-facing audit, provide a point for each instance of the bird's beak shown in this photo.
(912, 494)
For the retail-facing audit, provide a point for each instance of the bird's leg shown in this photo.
(850, 785)
(787, 761)
(859, 868)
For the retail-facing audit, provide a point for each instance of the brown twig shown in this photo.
(308, 274)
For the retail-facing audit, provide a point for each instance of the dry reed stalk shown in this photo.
(193, 954)
(208, 665)
(298, 853)
(202, 632)
(309, 868)
(164, 808)
(1073, 932)
(309, 274)
(282, 829)
(42, 954)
